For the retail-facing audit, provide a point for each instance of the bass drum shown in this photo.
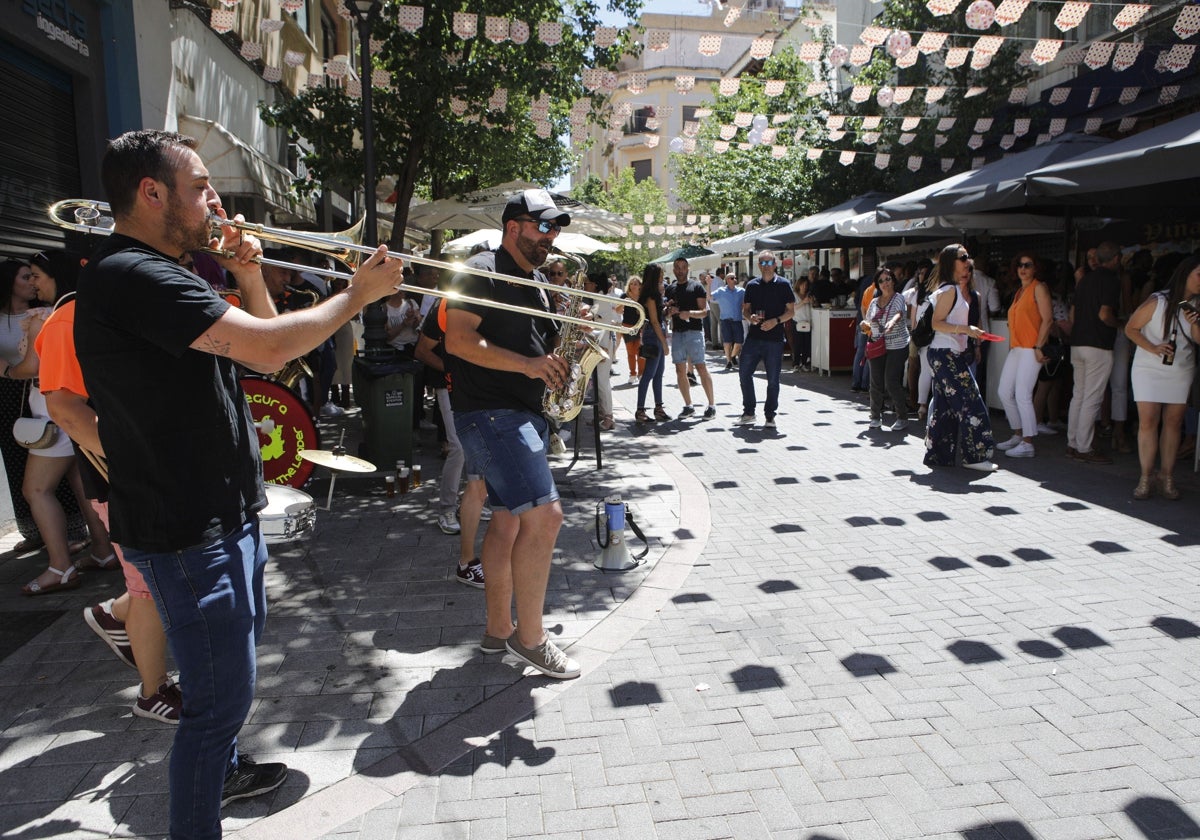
(285, 429)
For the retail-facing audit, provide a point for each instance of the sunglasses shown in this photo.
(542, 226)
(766, 262)
(1025, 264)
(964, 258)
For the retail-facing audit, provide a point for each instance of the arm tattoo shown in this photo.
(217, 348)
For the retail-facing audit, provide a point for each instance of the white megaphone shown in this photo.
(614, 553)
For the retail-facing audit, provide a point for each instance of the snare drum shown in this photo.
(289, 514)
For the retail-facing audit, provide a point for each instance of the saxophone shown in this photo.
(582, 352)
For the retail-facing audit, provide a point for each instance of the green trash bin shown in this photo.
(386, 393)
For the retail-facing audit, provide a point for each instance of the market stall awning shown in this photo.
(996, 186)
(235, 168)
(819, 230)
(1158, 168)
(484, 208)
(868, 226)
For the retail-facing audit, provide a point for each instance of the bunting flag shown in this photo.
(1093, 97)
(1130, 15)
(498, 100)
(1021, 126)
(779, 152)
(728, 87)
(1128, 53)
(1178, 57)
(293, 58)
(466, 25)
(846, 158)
(518, 32)
(495, 28)
(409, 18)
(1188, 23)
(780, 119)
(727, 132)
(871, 123)
(684, 84)
(810, 51)
(769, 135)
(550, 32)
(989, 44)
(947, 164)
(977, 161)
(983, 125)
(974, 90)
(710, 44)
(292, 6)
(774, 87)
(873, 36)
(222, 20)
(732, 15)
(1071, 15)
(908, 59)
(315, 80)
(882, 160)
(935, 93)
(657, 40)
(1129, 94)
(719, 146)
(272, 74)
(1098, 54)
(592, 77)
(975, 142)
(353, 88)
(1008, 141)
(606, 36)
(914, 162)
(836, 134)
(338, 67)
(381, 78)
(906, 138)
(940, 8)
(902, 94)
(1010, 11)
(931, 42)
(251, 50)
(1127, 124)
(1057, 126)
(946, 123)
(762, 47)
(1016, 96)
(980, 60)
(956, 57)
(860, 93)
(870, 138)
(811, 154)
(910, 123)
(939, 140)
(1045, 50)
(270, 24)
(742, 119)
(637, 83)
(1059, 95)
(1168, 94)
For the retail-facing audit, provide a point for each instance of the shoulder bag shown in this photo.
(33, 432)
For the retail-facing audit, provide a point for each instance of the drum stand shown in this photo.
(338, 461)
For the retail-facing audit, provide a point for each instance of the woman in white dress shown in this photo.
(1165, 334)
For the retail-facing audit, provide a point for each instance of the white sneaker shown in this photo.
(875, 424)
(744, 420)
(1015, 440)
(1021, 450)
(1046, 429)
(982, 466)
(448, 522)
(899, 425)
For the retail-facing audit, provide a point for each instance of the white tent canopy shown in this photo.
(484, 208)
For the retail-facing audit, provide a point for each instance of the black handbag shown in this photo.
(649, 351)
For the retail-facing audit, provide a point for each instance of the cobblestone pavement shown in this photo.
(829, 640)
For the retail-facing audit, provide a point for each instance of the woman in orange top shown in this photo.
(1029, 322)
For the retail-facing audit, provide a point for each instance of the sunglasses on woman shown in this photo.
(1025, 264)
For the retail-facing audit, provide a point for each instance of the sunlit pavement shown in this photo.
(828, 640)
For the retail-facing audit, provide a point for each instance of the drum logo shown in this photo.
(285, 429)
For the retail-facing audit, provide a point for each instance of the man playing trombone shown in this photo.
(157, 347)
(500, 365)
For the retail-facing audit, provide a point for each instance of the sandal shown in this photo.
(76, 546)
(67, 579)
(28, 544)
(1167, 488)
(1142, 491)
(104, 564)
(659, 414)
(641, 416)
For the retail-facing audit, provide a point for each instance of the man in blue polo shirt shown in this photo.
(769, 302)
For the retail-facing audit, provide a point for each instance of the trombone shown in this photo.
(88, 216)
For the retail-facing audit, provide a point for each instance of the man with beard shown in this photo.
(688, 308)
(157, 347)
(500, 365)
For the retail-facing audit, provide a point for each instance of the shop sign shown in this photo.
(61, 22)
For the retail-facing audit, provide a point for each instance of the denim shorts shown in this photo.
(509, 449)
(688, 346)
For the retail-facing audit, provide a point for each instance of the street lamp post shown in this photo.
(374, 318)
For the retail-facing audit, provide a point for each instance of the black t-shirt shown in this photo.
(431, 326)
(686, 297)
(772, 299)
(822, 290)
(476, 388)
(183, 455)
(1101, 287)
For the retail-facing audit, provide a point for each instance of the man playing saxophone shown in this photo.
(500, 365)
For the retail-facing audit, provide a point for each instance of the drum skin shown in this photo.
(285, 429)
(289, 514)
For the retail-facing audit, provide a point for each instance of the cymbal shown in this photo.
(336, 461)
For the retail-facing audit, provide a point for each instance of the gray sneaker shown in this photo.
(546, 658)
(494, 644)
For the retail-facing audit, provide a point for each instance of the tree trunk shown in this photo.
(406, 185)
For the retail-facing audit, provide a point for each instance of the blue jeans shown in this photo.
(509, 449)
(652, 376)
(770, 353)
(860, 374)
(213, 606)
